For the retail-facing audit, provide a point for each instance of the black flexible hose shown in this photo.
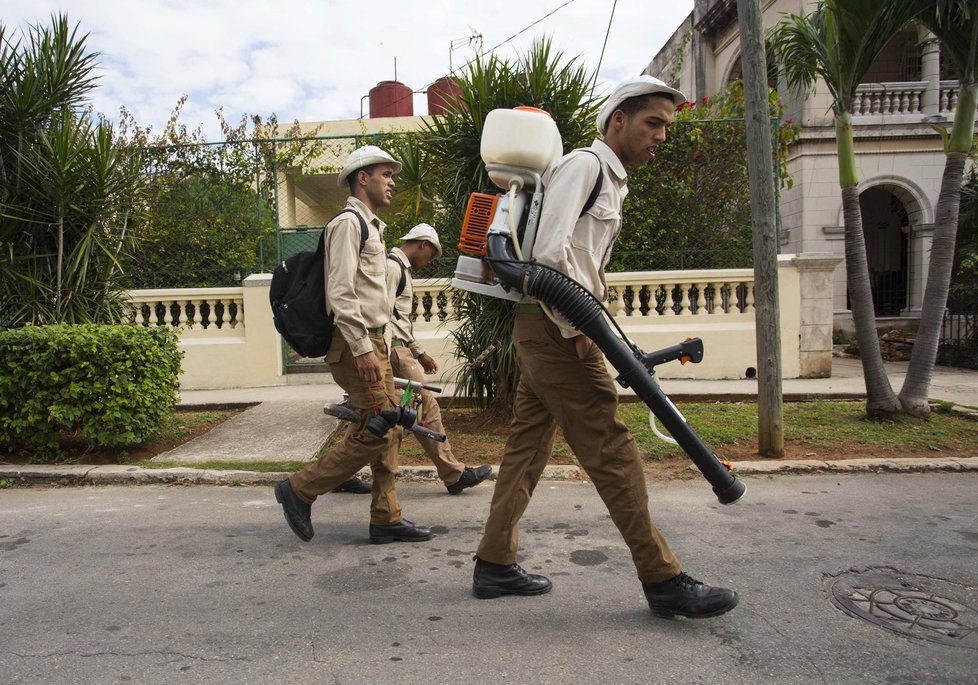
(576, 304)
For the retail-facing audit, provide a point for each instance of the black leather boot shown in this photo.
(686, 596)
(470, 478)
(297, 512)
(492, 580)
(404, 531)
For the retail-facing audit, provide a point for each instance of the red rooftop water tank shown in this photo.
(391, 99)
(441, 95)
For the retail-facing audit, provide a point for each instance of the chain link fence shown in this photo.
(219, 212)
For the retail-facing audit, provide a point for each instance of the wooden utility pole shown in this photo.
(760, 164)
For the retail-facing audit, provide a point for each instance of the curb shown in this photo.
(135, 475)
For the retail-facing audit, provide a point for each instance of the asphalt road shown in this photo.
(200, 584)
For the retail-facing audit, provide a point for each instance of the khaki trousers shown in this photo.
(450, 469)
(360, 447)
(556, 388)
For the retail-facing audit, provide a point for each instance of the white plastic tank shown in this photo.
(523, 137)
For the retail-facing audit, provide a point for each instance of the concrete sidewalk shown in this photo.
(287, 423)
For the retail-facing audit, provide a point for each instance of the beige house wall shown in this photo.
(311, 199)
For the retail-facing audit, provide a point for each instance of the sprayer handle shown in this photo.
(427, 433)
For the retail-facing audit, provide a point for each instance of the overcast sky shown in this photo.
(314, 60)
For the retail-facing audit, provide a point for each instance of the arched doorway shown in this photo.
(886, 225)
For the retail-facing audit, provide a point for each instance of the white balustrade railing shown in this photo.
(889, 98)
(652, 307)
(949, 96)
(903, 98)
(712, 292)
(197, 311)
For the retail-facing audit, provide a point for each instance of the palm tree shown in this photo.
(541, 78)
(955, 23)
(68, 190)
(839, 42)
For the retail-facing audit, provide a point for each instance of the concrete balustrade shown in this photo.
(655, 309)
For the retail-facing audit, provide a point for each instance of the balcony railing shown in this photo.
(903, 98)
(198, 311)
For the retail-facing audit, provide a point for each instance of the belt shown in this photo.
(376, 331)
(398, 343)
(528, 308)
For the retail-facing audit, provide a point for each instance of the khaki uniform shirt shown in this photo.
(402, 328)
(580, 246)
(356, 281)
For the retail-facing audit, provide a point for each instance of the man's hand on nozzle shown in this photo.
(427, 363)
(368, 366)
(583, 345)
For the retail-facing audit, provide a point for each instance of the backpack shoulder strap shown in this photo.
(596, 190)
(364, 233)
(401, 283)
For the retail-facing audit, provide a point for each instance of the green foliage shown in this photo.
(112, 384)
(68, 191)
(541, 78)
(209, 217)
(690, 208)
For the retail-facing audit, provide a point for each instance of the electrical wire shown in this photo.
(529, 26)
(607, 33)
(521, 31)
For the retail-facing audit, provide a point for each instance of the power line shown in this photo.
(528, 27)
(603, 46)
(521, 31)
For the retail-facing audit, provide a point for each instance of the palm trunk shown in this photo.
(916, 386)
(880, 398)
(57, 276)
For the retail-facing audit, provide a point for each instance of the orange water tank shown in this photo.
(391, 99)
(441, 95)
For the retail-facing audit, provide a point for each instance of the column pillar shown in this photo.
(930, 72)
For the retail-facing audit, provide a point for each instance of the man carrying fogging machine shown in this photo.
(560, 335)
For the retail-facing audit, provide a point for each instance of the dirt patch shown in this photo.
(180, 427)
(478, 440)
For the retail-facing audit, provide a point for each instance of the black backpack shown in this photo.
(298, 297)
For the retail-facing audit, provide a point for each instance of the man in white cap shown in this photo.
(356, 293)
(563, 378)
(408, 360)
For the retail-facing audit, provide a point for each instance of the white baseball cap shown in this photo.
(634, 86)
(365, 156)
(424, 232)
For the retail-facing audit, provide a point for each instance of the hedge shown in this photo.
(112, 384)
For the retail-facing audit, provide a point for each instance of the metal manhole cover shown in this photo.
(917, 606)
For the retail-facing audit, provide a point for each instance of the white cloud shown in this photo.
(315, 59)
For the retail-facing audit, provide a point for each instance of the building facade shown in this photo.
(906, 98)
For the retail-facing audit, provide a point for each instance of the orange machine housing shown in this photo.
(475, 225)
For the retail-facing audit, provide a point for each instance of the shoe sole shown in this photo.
(669, 613)
(299, 534)
(494, 592)
(394, 538)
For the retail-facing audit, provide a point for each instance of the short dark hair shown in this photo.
(636, 104)
(351, 180)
